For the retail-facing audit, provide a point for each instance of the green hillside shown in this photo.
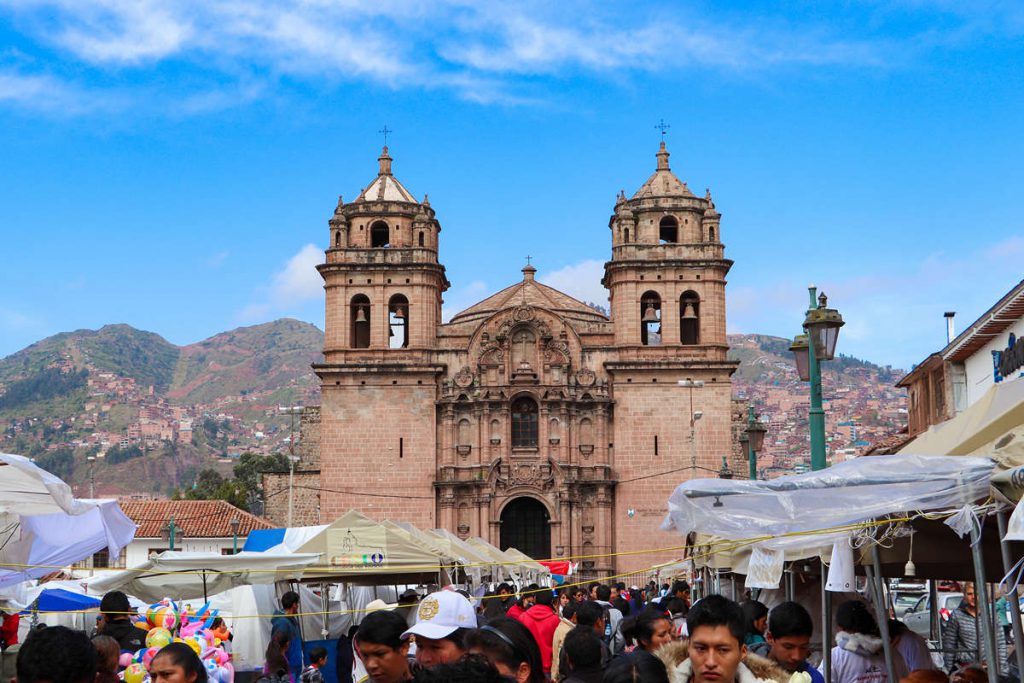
(271, 357)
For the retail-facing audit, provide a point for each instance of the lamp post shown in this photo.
(167, 533)
(92, 476)
(822, 326)
(293, 411)
(235, 523)
(754, 432)
(695, 415)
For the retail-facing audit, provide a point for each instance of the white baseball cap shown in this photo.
(440, 613)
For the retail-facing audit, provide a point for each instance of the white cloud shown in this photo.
(45, 93)
(458, 299)
(485, 52)
(579, 280)
(892, 317)
(290, 289)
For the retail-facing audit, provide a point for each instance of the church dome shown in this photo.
(663, 183)
(385, 186)
(529, 292)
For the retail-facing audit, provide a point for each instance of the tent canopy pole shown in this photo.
(1013, 594)
(875, 577)
(987, 637)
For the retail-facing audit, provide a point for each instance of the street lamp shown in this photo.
(167, 533)
(754, 434)
(235, 523)
(822, 326)
(695, 415)
(725, 472)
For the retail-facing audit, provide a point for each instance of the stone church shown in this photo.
(530, 419)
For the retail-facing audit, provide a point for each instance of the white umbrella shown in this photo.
(187, 576)
(48, 528)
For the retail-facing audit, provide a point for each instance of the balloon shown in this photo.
(147, 656)
(158, 637)
(125, 659)
(134, 673)
(194, 643)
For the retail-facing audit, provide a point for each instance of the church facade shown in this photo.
(529, 419)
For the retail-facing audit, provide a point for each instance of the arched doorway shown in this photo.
(524, 526)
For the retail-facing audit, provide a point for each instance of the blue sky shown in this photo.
(173, 165)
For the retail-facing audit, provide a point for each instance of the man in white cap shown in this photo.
(442, 621)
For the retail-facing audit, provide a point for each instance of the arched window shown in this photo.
(380, 236)
(711, 234)
(359, 315)
(524, 423)
(668, 230)
(650, 319)
(337, 238)
(689, 318)
(421, 239)
(398, 322)
(625, 234)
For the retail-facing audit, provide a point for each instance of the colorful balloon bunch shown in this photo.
(165, 623)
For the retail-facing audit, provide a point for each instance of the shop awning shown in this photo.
(979, 429)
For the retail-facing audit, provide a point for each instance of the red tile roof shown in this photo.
(192, 518)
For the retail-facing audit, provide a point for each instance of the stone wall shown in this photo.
(305, 499)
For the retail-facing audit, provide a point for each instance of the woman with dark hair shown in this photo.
(648, 630)
(276, 666)
(177, 663)
(637, 666)
(755, 621)
(510, 647)
(858, 655)
(108, 652)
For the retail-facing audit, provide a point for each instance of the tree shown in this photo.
(60, 462)
(211, 485)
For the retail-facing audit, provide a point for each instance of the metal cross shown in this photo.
(385, 130)
(662, 126)
(528, 259)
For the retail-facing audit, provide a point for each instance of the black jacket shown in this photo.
(127, 635)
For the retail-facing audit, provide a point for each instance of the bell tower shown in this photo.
(667, 273)
(383, 284)
(666, 280)
(382, 277)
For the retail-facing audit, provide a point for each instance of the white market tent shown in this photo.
(49, 527)
(783, 519)
(193, 575)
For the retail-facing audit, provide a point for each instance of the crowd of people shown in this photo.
(603, 633)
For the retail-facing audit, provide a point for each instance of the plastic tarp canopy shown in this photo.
(847, 493)
(281, 540)
(50, 527)
(355, 548)
(511, 566)
(61, 600)
(193, 575)
(980, 428)
(476, 562)
(535, 571)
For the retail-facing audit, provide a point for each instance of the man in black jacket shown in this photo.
(115, 609)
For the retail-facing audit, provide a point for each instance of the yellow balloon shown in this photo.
(134, 673)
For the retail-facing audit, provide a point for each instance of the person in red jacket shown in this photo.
(525, 601)
(542, 620)
(8, 629)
